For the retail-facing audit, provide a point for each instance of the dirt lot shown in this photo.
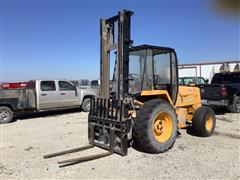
(24, 142)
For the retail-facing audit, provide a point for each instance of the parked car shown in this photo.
(192, 80)
(43, 95)
(95, 84)
(224, 91)
(82, 84)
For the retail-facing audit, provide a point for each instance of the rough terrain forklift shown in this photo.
(142, 105)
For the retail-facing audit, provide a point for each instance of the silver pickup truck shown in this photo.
(43, 95)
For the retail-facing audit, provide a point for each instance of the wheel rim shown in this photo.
(162, 127)
(209, 123)
(4, 115)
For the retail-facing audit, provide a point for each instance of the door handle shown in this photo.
(62, 93)
(43, 94)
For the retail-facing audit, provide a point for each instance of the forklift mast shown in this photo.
(108, 119)
(115, 36)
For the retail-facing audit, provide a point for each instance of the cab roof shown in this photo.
(145, 46)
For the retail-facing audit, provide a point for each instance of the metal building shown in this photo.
(206, 70)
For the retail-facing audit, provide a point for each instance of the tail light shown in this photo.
(13, 85)
(224, 92)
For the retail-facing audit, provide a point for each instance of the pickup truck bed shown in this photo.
(20, 99)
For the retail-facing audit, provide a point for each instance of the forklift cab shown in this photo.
(152, 68)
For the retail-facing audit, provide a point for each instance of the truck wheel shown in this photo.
(235, 108)
(86, 104)
(204, 122)
(156, 126)
(6, 115)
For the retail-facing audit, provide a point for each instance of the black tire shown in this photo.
(143, 133)
(86, 104)
(6, 115)
(235, 107)
(201, 124)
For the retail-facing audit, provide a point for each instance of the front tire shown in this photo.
(6, 115)
(155, 128)
(204, 121)
(86, 104)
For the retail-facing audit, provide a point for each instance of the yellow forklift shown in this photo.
(142, 105)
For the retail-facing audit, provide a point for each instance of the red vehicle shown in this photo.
(16, 85)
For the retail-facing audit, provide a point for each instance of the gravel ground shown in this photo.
(24, 142)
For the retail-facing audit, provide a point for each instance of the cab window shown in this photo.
(188, 81)
(48, 86)
(65, 86)
(202, 81)
(162, 69)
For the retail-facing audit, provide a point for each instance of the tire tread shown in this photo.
(141, 139)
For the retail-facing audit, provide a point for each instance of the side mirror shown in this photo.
(207, 81)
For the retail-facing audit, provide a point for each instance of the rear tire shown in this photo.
(204, 121)
(86, 104)
(235, 108)
(6, 115)
(155, 128)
